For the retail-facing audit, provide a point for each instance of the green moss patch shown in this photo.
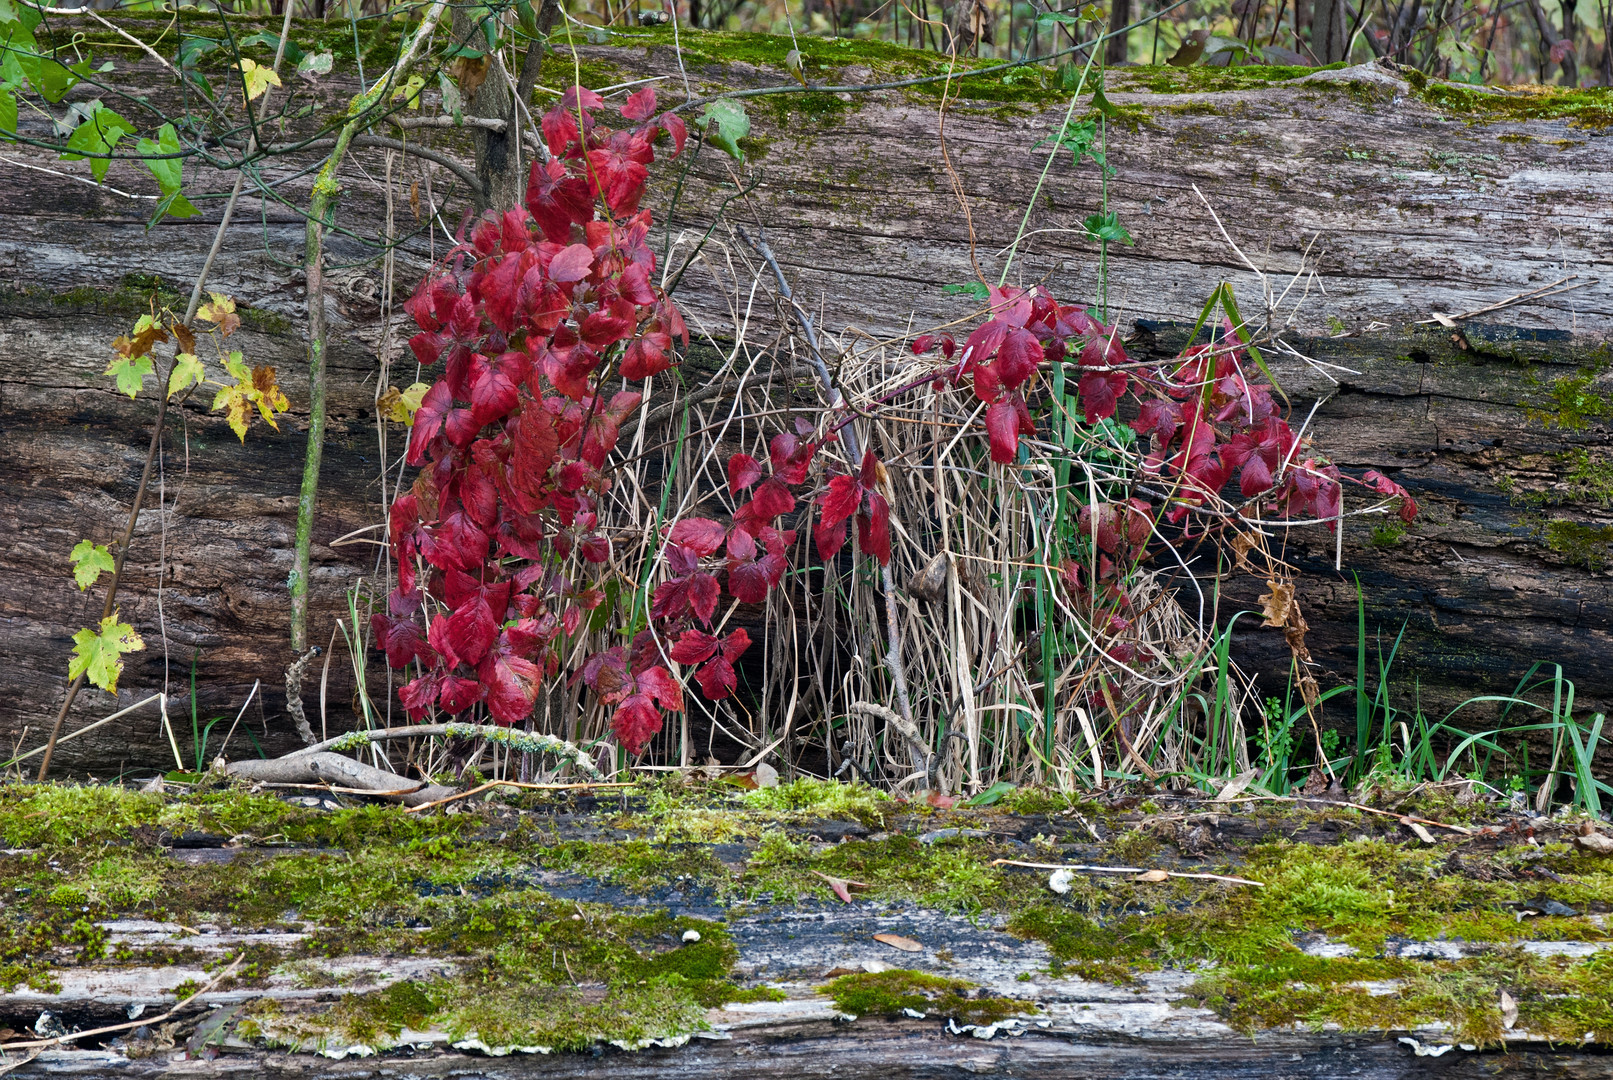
(1588, 107)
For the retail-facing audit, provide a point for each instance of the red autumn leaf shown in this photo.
(771, 500)
(471, 630)
(459, 694)
(572, 263)
(791, 457)
(700, 535)
(717, 679)
(494, 383)
(401, 639)
(1100, 393)
(512, 686)
(419, 695)
(1017, 358)
(1002, 427)
(829, 538)
(674, 125)
(659, 684)
(693, 647)
(428, 420)
(841, 501)
(640, 105)
(874, 529)
(635, 722)
(743, 471)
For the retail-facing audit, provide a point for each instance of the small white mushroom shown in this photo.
(1059, 881)
(691, 936)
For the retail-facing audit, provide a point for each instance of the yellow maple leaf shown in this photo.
(186, 373)
(401, 405)
(220, 310)
(98, 654)
(253, 387)
(256, 78)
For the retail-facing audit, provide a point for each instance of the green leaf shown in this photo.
(98, 655)
(1078, 137)
(98, 134)
(8, 113)
(187, 372)
(1231, 306)
(314, 64)
(54, 79)
(89, 562)
(991, 794)
(169, 171)
(255, 78)
(1107, 228)
(272, 42)
(972, 289)
(1103, 104)
(193, 48)
(172, 205)
(725, 122)
(130, 373)
(452, 102)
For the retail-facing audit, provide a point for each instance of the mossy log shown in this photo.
(692, 929)
(1410, 199)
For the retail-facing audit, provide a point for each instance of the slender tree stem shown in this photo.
(162, 403)
(326, 192)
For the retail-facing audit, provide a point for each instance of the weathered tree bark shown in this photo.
(1405, 207)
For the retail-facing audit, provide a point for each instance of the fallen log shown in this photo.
(1414, 198)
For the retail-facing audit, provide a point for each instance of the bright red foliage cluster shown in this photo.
(531, 318)
(1206, 419)
(544, 307)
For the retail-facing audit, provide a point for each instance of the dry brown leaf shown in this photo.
(842, 886)
(1153, 875)
(897, 941)
(930, 583)
(1509, 1011)
(1422, 833)
(1595, 843)
(1276, 604)
(1235, 786)
(1242, 543)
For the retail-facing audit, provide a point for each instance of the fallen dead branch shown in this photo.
(1464, 830)
(336, 770)
(1125, 870)
(323, 764)
(479, 788)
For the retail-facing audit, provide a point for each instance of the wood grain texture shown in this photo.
(1405, 210)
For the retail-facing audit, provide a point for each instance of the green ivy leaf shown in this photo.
(130, 372)
(97, 134)
(972, 289)
(724, 123)
(98, 654)
(89, 562)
